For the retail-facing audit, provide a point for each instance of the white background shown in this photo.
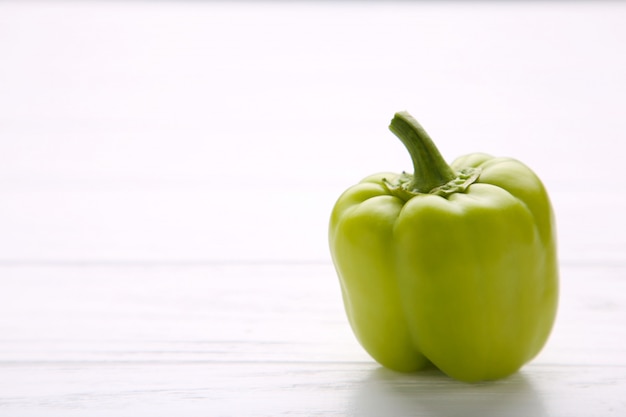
(167, 171)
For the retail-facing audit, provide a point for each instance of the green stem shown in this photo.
(430, 170)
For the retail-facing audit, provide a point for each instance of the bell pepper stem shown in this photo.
(430, 170)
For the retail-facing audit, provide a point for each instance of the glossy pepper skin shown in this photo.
(454, 265)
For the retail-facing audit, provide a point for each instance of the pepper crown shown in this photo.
(431, 173)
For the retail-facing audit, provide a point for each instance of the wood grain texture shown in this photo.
(268, 340)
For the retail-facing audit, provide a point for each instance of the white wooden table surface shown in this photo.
(167, 171)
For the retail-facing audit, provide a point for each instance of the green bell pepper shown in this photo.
(455, 265)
